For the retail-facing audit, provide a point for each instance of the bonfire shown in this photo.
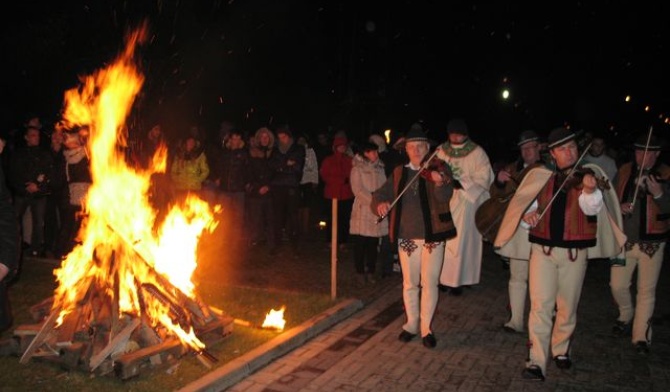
(125, 299)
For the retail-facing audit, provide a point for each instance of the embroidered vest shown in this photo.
(436, 214)
(654, 225)
(564, 225)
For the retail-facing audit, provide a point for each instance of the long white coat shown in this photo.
(463, 253)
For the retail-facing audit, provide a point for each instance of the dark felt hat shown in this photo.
(559, 136)
(416, 127)
(655, 144)
(416, 134)
(527, 137)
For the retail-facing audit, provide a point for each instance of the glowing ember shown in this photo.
(275, 319)
(119, 245)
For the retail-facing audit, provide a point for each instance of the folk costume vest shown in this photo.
(564, 225)
(436, 214)
(654, 226)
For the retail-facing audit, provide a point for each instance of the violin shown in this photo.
(577, 177)
(440, 166)
(653, 172)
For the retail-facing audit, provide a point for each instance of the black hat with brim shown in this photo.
(559, 136)
(655, 144)
(527, 137)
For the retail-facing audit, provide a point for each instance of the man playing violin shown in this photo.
(507, 179)
(420, 222)
(562, 222)
(646, 223)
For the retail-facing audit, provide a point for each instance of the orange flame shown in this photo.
(118, 243)
(275, 319)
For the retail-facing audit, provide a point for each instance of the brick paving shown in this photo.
(362, 352)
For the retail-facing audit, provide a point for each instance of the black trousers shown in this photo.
(365, 253)
(5, 308)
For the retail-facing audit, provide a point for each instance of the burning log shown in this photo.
(96, 337)
(87, 340)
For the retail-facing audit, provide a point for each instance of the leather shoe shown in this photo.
(621, 329)
(532, 372)
(642, 348)
(563, 361)
(456, 291)
(406, 336)
(429, 341)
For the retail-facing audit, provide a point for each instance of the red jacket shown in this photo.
(335, 171)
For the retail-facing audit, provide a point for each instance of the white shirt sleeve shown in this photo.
(592, 203)
(532, 208)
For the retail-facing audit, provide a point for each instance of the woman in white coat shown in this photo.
(367, 175)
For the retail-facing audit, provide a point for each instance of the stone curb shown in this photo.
(241, 367)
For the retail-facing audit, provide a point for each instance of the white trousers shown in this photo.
(555, 282)
(421, 267)
(517, 289)
(621, 278)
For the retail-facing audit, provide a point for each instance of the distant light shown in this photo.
(387, 135)
(647, 108)
(505, 94)
(627, 99)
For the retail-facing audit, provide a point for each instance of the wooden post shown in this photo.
(333, 251)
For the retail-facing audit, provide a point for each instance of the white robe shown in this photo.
(463, 254)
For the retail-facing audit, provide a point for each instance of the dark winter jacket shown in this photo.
(284, 173)
(28, 164)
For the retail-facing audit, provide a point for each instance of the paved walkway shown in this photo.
(362, 352)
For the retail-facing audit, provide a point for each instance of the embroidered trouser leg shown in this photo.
(554, 282)
(648, 270)
(421, 264)
(517, 287)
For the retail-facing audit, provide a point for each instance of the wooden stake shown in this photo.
(333, 251)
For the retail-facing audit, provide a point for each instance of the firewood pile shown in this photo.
(97, 338)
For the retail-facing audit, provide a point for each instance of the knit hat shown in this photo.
(369, 146)
(457, 125)
(654, 143)
(527, 137)
(339, 141)
(559, 136)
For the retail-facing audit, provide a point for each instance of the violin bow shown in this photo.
(422, 168)
(639, 175)
(564, 182)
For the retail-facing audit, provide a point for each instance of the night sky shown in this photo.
(362, 66)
